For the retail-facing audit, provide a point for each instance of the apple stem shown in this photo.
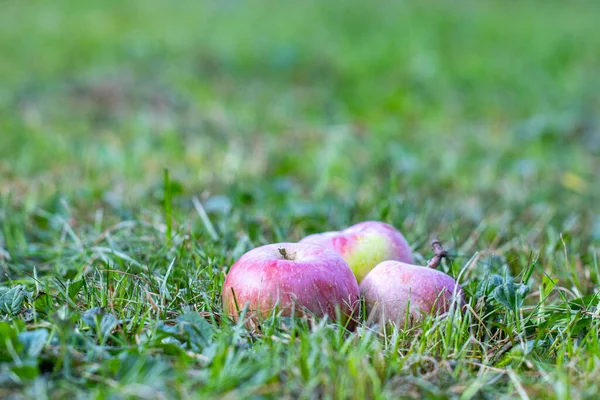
(439, 253)
(284, 253)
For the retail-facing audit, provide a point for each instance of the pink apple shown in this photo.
(365, 245)
(290, 276)
(393, 290)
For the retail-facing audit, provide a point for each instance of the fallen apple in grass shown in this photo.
(365, 245)
(394, 291)
(294, 278)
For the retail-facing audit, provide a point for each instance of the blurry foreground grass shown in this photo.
(473, 121)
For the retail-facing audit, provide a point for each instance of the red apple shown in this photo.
(365, 245)
(394, 290)
(302, 277)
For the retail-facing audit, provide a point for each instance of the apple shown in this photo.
(394, 290)
(365, 245)
(294, 278)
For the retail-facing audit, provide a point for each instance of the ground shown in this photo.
(146, 145)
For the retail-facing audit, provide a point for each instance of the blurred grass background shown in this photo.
(468, 98)
(474, 121)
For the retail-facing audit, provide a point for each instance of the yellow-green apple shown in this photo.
(294, 278)
(365, 245)
(394, 290)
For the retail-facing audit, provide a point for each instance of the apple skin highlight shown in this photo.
(365, 245)
(394, 290)
(308, 278)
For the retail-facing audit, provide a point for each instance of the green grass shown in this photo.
(475, 122)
